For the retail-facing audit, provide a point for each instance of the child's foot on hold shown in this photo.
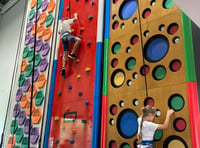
(63, 72)
(72, 56)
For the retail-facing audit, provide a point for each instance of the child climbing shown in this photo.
(147, 128)
(65, 32)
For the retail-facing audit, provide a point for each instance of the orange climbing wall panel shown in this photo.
(71, 120)
(146, 65)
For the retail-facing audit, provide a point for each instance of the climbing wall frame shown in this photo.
(30, 90)
(73, 107)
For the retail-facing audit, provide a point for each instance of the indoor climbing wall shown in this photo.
(25, 127)
(149, 59)
(73, 108)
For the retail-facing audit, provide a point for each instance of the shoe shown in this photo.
(63, 72)
(72, 56)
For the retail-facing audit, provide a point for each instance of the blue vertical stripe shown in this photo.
(97, 97)
(48, 121)
(107, 20)
(61, 9)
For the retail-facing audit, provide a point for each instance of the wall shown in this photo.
(10, 27)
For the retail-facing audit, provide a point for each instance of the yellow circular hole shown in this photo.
(176, 143)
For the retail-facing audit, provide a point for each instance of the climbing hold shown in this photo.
(67, 108)
(89, 42)
(82, 28)
(90, 17)
(68, 8)
(87, 69)
(84, 121)
(74, 131)
(78, 76)
(79, 36)
(72, 30)
(62, 127)
(71, 141)
(56, 118)
(69, 87)
(86, 102)
(77, 60)
(59, 93)
(92, 2)
(80, 93)
(56, 141)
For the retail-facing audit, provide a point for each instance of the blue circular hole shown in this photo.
(127, 123)
(127, 9)
(156, 48)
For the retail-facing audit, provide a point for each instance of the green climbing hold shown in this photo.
(39, 98)
(59, 93)
(31, 14)
(25, 52)
(39, 3)
(19, 135)
(29, 70)
(24, 142)
(14, 126)
(30, 56)
(90, 17)
(84, 121)
(21, 80)
(49, 20)
(68, 8)
(38, 58)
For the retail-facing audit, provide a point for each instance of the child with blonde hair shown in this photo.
(147, 128)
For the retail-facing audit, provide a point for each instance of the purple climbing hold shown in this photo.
(43, 64)
(38, 16)
(44, 5)
(26, 85)
(32, 42)
(29, 26)
(34, 135)
(16, 110)
(19, 94)
(27, 39)
(22, 117)
(39, 44)
(26, 126)
(36, 75)
(45, 49)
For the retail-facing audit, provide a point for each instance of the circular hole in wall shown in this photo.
(176, 102)
(117, 78)
(175, 65)
(159, 72)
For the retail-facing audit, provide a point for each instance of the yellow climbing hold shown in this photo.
(87, 69)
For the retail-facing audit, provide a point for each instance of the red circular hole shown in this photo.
(146, 13)
(134, 39)
(149, 101)
(144, 70)
(113, 109)
(115, 1)
(113, 144)
(180, 124)
(175, 65)
(115, 25)
(173, 28)
(114, 63)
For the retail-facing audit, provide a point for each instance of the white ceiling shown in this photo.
(191, 8)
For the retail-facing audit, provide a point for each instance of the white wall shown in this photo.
(10, 27)
(191, 8)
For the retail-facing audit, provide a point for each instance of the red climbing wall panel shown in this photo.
(71, 121)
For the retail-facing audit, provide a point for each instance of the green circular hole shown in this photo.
(130, 63)
(176, 102)
(158, 135)
(159, 72)
(168, 4)
(125, 145)
(116, 48)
